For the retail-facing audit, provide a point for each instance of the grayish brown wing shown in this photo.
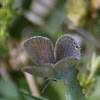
(42, 71)
(39, 50)
(66, 46)
(63, 68)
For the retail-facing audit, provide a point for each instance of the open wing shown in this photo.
(66, 46)
(42, 71)
(63, 68)
(39, 50)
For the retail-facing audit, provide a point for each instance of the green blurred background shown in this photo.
(21, 19)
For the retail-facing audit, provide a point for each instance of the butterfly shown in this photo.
(57, 63)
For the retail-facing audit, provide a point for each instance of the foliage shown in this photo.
(21, 19)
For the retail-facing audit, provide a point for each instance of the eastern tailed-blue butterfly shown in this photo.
(55, 64)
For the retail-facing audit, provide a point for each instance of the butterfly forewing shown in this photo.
(66, 46)
(39, 49)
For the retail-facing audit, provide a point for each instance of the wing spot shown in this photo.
(73, 44)
(76, 48)
(74, 59)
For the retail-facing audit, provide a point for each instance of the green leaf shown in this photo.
(28, 96)
(96, 92)
(8, 90)
(3, 49)
(74, 90)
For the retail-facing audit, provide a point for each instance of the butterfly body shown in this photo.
(57, 65)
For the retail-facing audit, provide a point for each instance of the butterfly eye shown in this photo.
(55, 80)
(76, 47)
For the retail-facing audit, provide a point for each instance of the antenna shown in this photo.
(46, 80)
(45, 87)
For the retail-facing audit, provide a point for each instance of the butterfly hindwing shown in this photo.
(63, 68)
(42, 71)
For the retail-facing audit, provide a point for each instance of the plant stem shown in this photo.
(32, 84)
(74, 90)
